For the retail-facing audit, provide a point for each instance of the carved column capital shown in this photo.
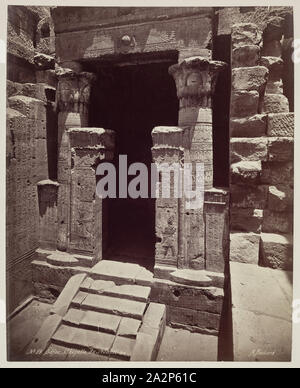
(73, 90)
(195, 80)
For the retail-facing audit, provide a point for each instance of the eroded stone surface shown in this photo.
(245, 34)
(249, 78)
(275, 103)
(262, 329)
(281, 124)
(277, 251)
(244, 247)
(244, 103)
(245, 172)
(246, 55)
(249, 126)
(248, 149)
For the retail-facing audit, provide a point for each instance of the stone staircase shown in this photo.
(105, 313)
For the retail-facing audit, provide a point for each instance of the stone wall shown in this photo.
(31, 145)
(261, 148)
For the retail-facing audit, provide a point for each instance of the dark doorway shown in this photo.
(132, 100)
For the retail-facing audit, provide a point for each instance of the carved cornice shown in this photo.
(73, 90)
(195, 80)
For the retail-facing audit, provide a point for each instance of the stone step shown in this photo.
(109, 304)
(122, 273)
(106, 323)
(109, 288)
(83, 339)
(94, 341)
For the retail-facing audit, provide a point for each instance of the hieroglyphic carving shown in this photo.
(89, 147)
(167, 148)
(195, 80)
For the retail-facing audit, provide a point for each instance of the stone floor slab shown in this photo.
(182, 345)
(262, 313)
(258, 337)
(260, 290)
(42, 339)
(23, 327)
(55, 353)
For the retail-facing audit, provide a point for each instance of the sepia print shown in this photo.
(104, 270)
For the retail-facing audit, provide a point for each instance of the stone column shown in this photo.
(72, 98)
(89, 147)
(195, 79)
(167, 148)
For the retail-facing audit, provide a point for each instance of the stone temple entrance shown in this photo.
(132, 100)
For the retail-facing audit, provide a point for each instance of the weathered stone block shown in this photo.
(281, 149)
(197, 298)
(249, 78)
(244, 56)
(28, 106)
(246, 220)
(245, 172)
(244, 103)
(249, 126)
(275, 103)
(245, 34)
(280, 124)
(249, 196)
(274, 29)
(244, 247)
(39, 91)
(248, 149)
(201, 321)
(277, 222)
(43, 336)
(280, 198)
(47, 77)
(276, 251)
(43, 61)
(277, 172)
